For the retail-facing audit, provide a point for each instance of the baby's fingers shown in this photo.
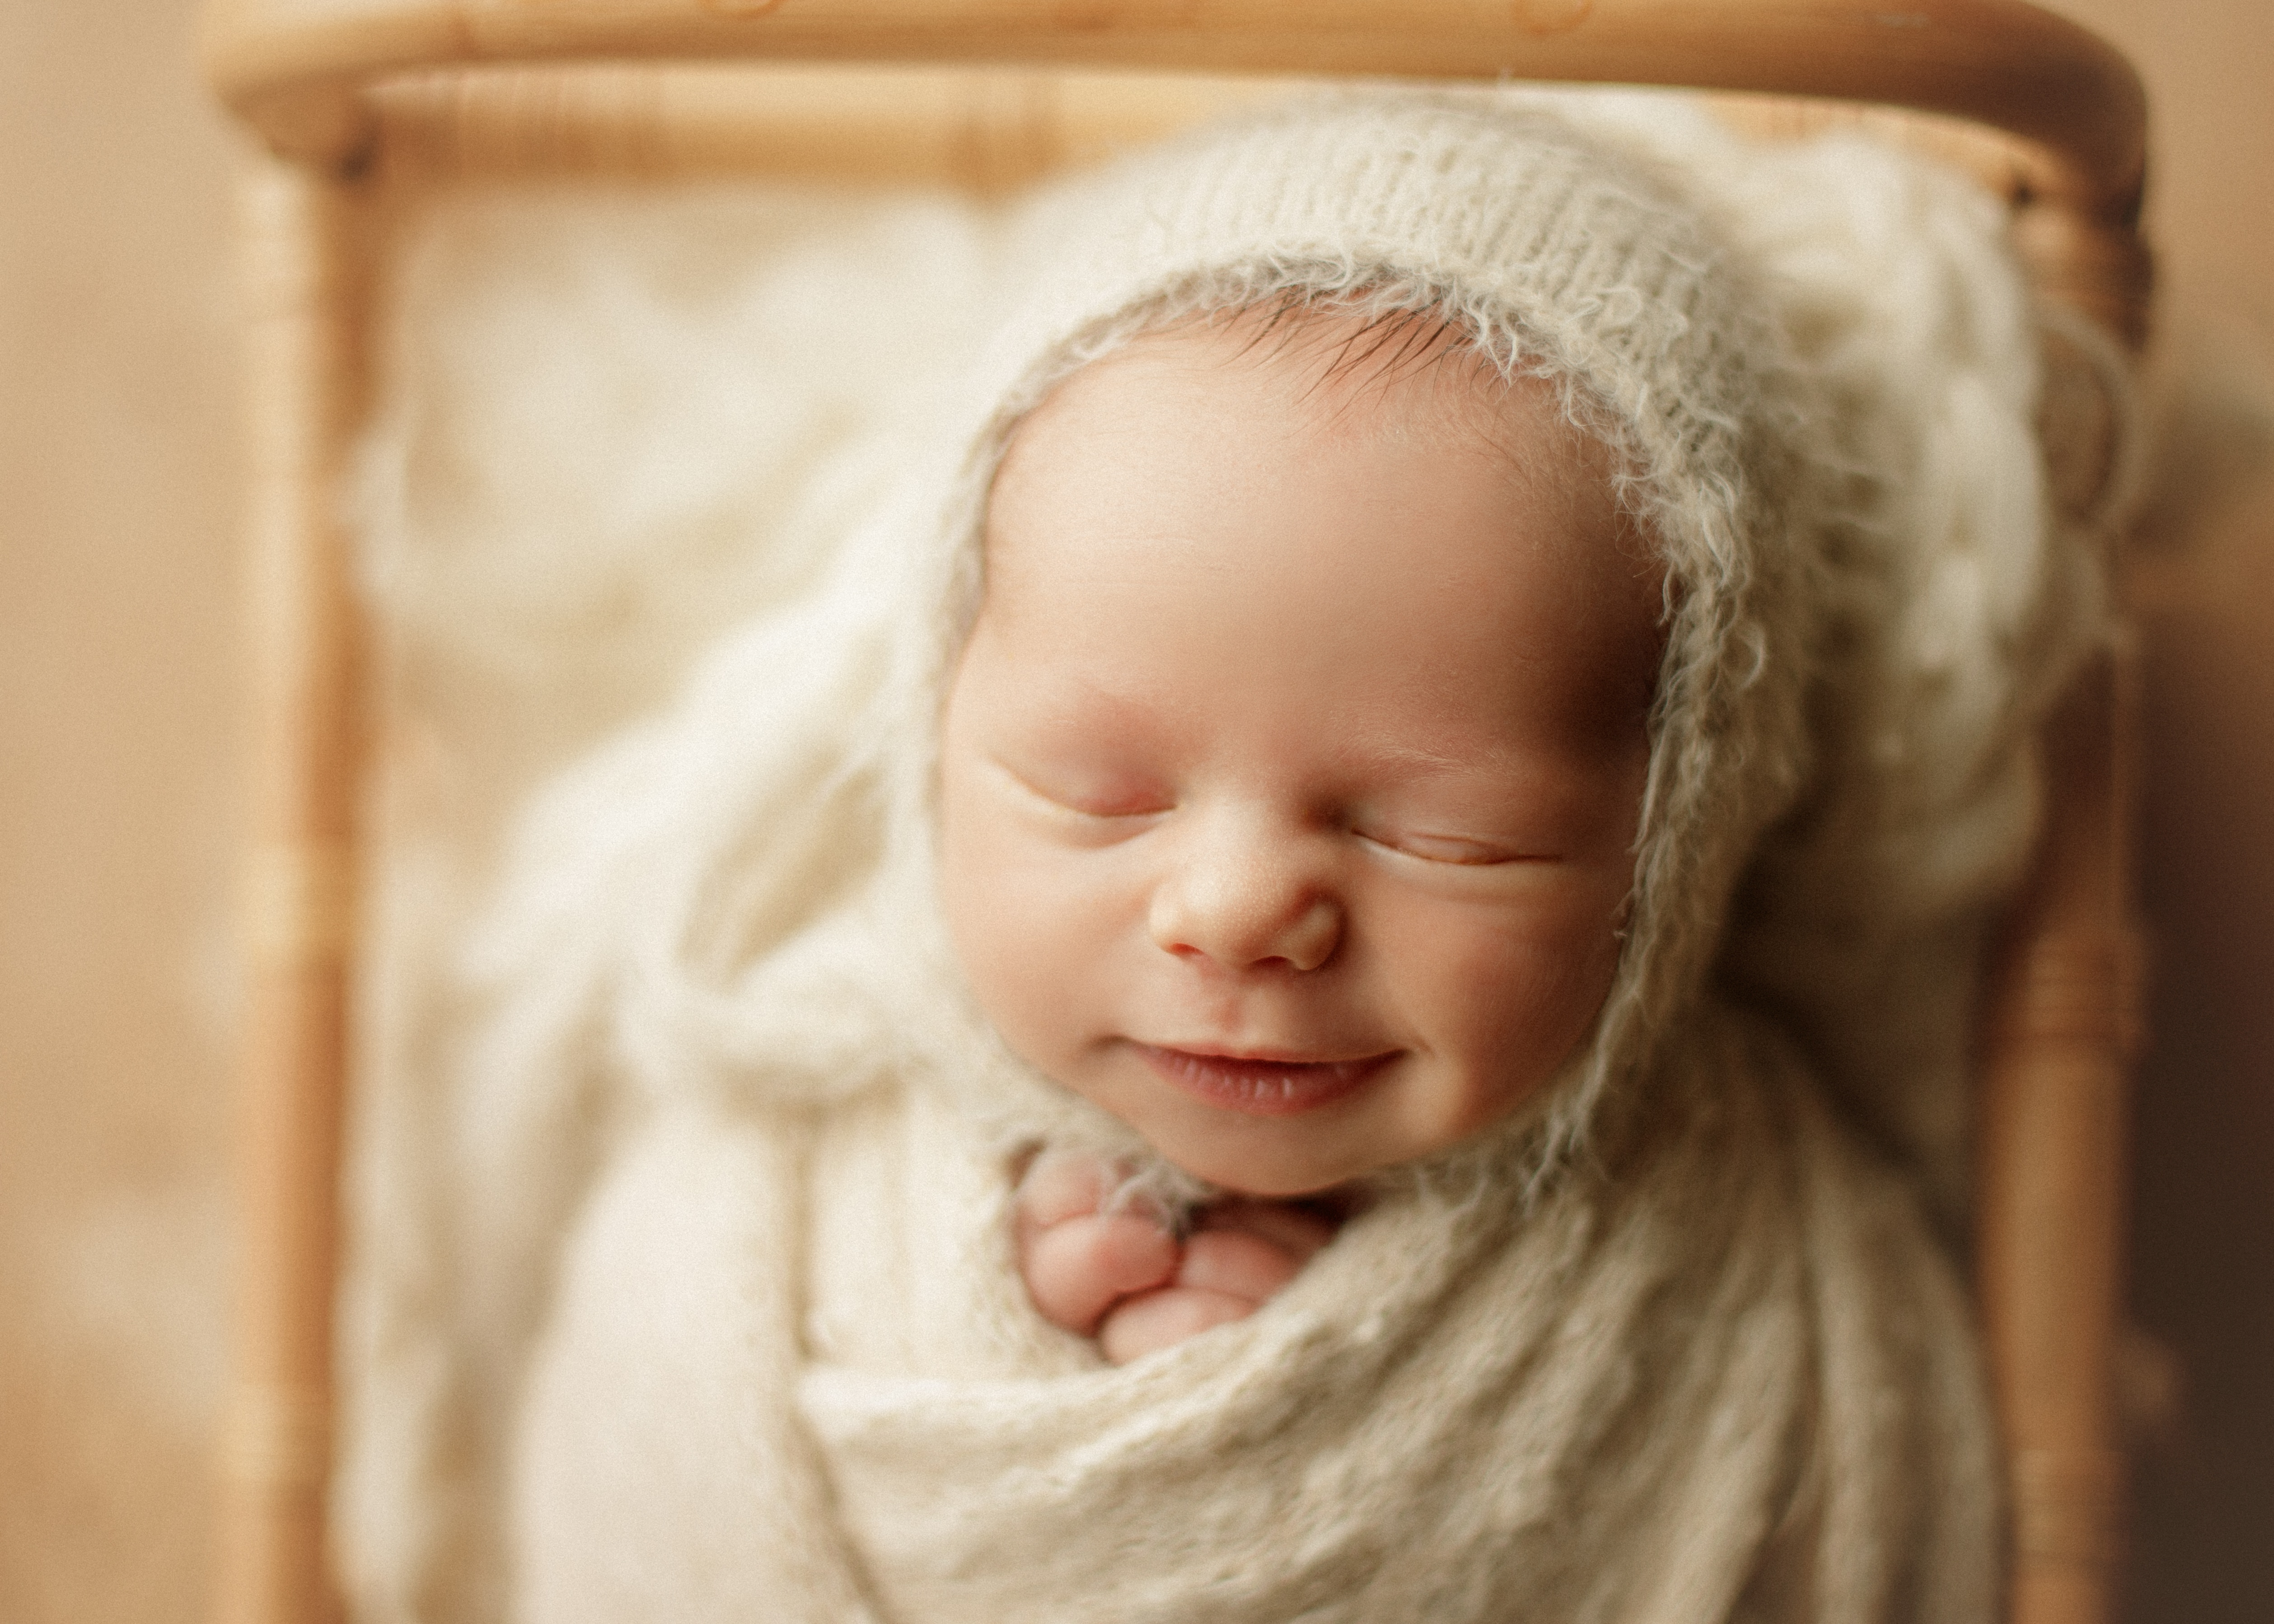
(1226, 1275)
(1235, 1263)
(1078, 1268)
(1162, 1319)
(1061, 1184)
(1295, 1229)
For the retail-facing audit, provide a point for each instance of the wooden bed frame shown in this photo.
(350, 95)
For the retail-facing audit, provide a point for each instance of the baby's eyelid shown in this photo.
(1459, 851)
(1149, 808)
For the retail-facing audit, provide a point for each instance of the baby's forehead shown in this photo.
(1319, 372)
(1375, 482)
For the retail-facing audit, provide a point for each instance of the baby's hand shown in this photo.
(1123, 1278)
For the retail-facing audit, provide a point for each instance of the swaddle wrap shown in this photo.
(737, 1331)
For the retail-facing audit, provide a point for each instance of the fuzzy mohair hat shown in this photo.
(1555, 256)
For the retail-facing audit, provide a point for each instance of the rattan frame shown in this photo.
(347, 94)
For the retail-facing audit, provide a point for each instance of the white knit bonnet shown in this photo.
(1556, 256)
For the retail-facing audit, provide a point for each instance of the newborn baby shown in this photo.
(1283, 998)
(1290, 777)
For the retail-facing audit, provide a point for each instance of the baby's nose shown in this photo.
(1246, 902)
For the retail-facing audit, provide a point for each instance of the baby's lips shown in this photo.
(1263, 1082)
(1297, 1054)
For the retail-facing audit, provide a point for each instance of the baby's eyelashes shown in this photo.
(1113, 799)
(1440, 848)
(1121, 802)
(1087, 795)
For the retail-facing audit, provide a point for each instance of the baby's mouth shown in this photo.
(1261, 1085)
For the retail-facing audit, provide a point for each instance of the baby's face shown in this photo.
(1291, 772)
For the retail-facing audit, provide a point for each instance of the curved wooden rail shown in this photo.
(2052, 1114)
(295, 69)
(302, 270)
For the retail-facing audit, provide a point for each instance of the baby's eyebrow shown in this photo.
(1084, 707)
(1397, 755)
(1409, 757)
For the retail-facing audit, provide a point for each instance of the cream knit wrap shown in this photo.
(729, 1328)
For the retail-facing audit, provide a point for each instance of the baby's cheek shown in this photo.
(1036, 937)
(1505, 1005)
(995, 896)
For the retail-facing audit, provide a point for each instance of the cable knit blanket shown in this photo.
(684, 1286)
(1631, 1400)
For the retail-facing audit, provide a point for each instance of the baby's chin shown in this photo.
(1183, 1171)
(1342, 1162)
(1288, 1170)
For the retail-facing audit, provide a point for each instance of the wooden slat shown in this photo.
(294, 68)
(991, 130)
(976, 130)
(302, 287)
(2049, 1231)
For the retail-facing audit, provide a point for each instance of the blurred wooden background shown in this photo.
(118, 801)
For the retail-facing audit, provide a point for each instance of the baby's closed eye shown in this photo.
(1431, 846)
(1089, 789)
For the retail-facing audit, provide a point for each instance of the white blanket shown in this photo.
(1425, 1425)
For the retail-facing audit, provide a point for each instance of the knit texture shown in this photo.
(711, 1311)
